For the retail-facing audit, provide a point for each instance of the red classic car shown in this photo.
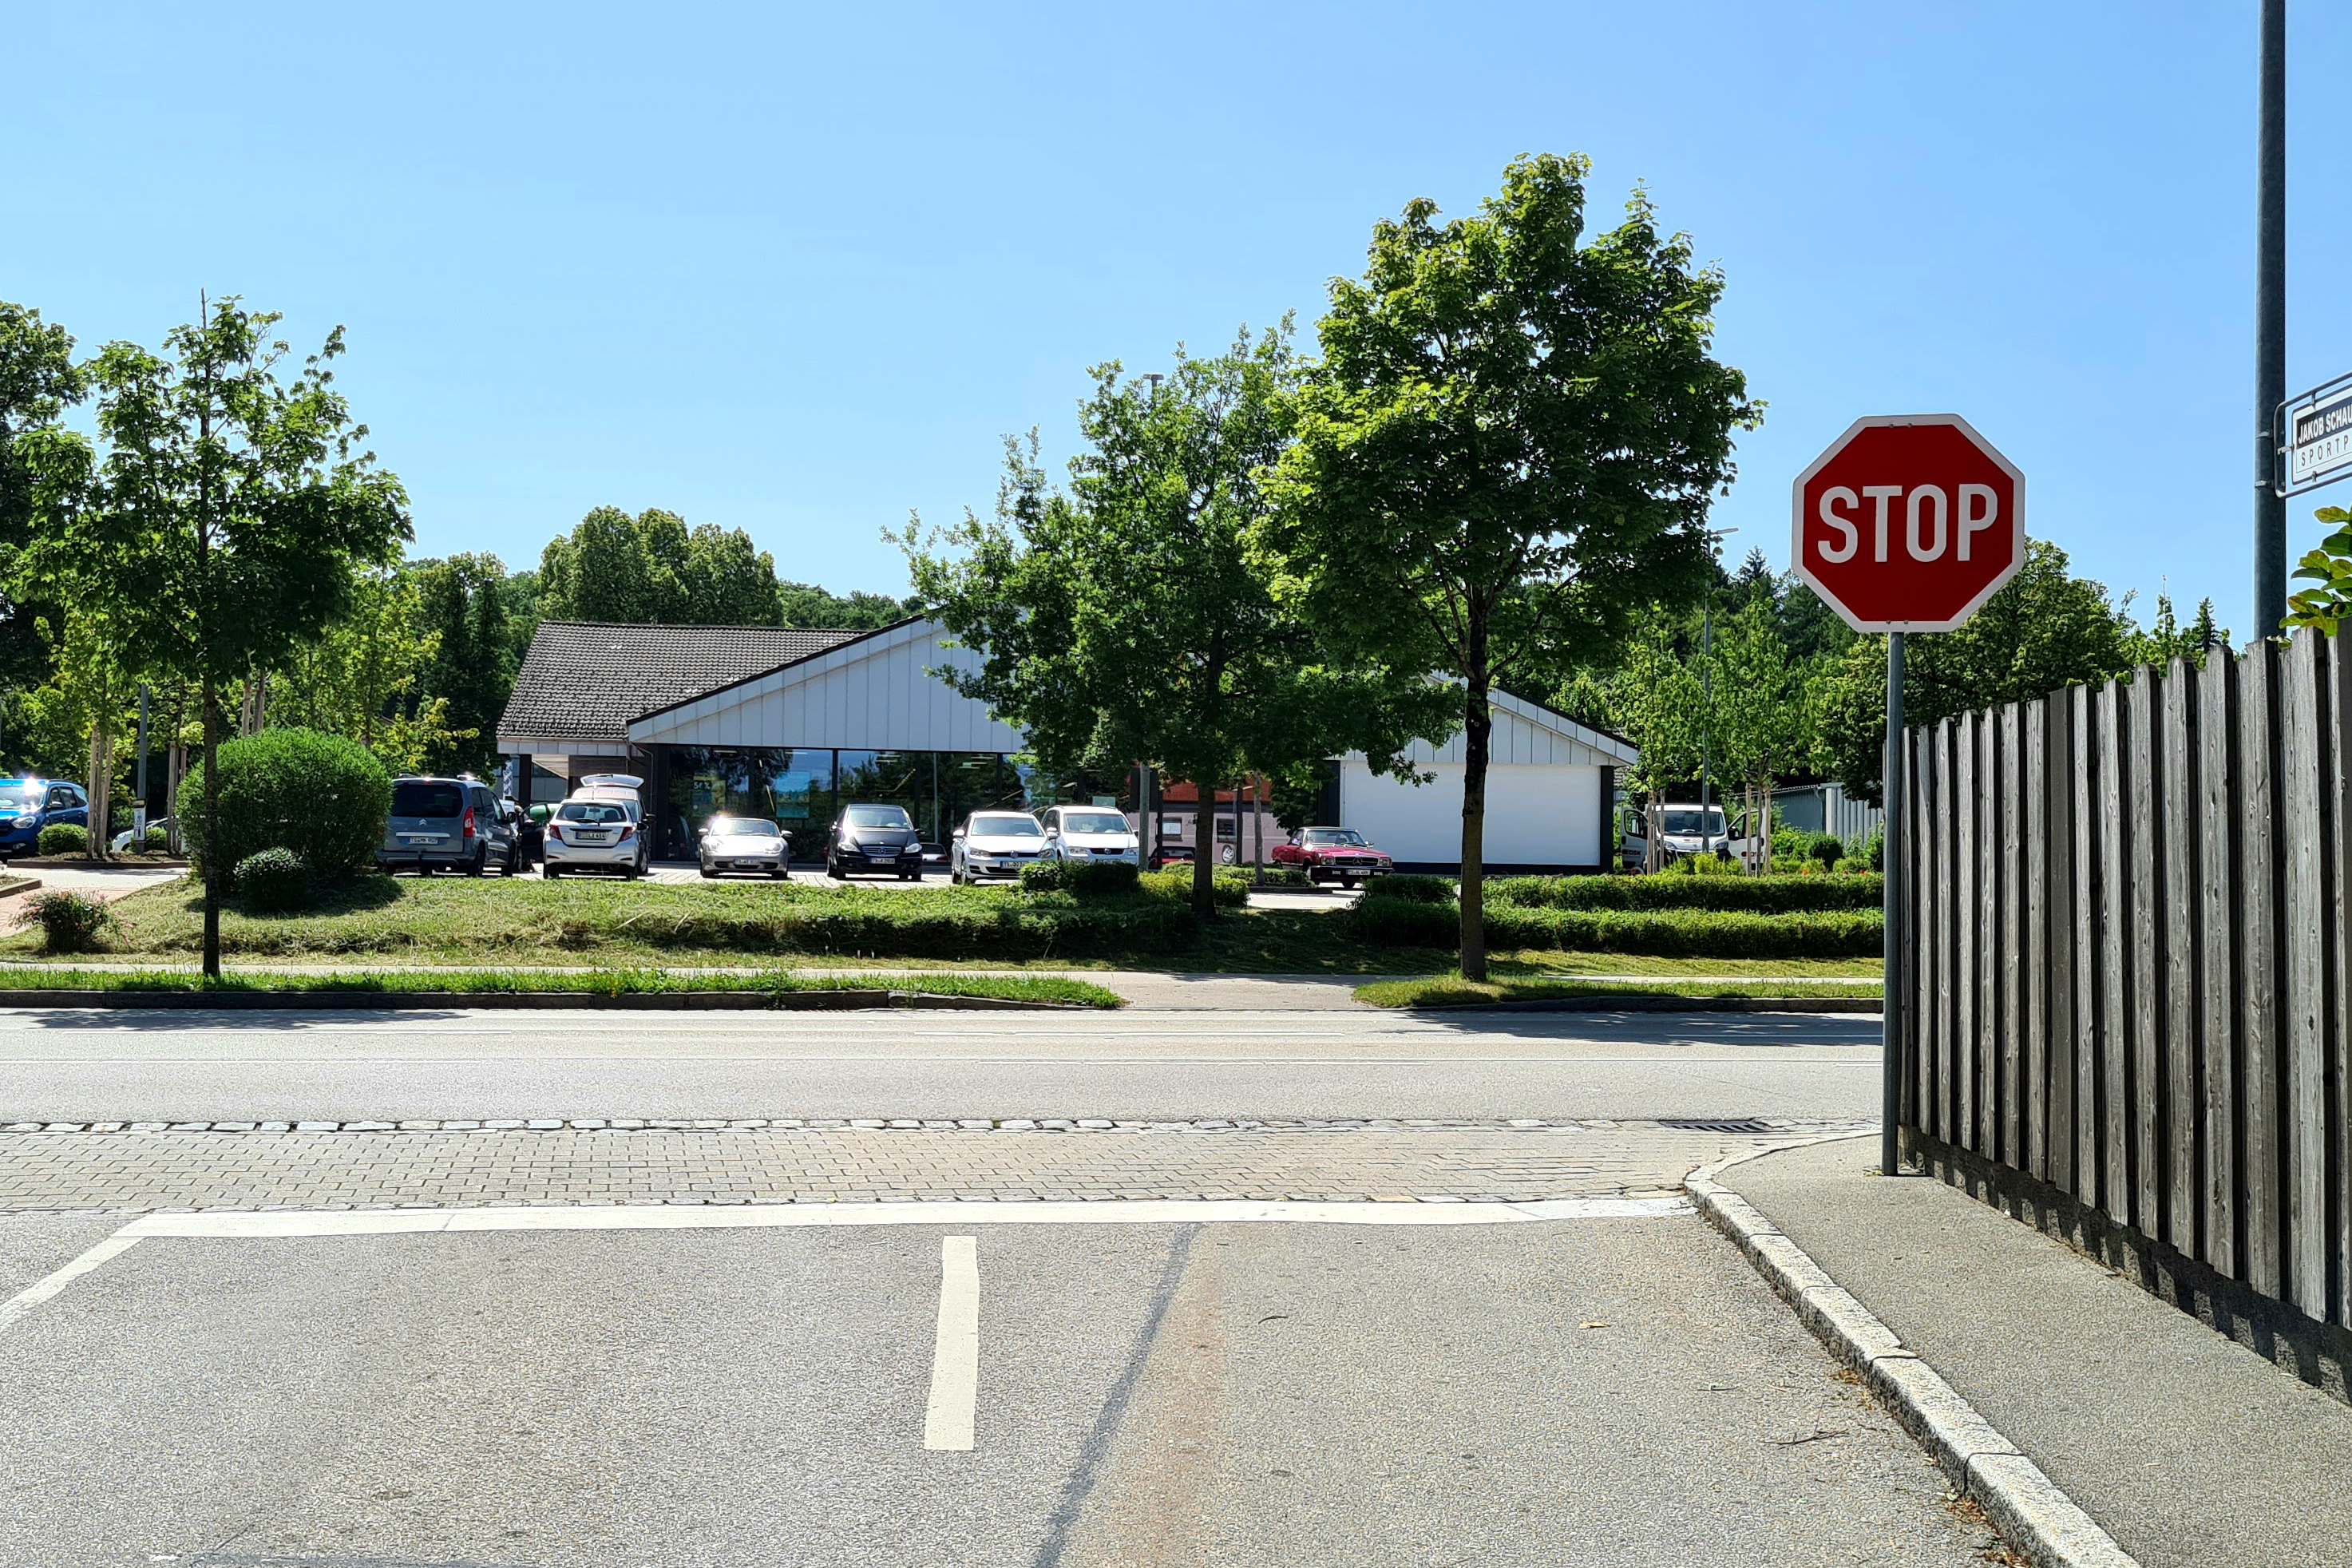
(1326, 853)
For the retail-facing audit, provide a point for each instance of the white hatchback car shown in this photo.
(601, 827)
(1079, 833)
(994, 844)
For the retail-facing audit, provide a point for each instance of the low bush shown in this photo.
(1405, 923)
(1753, 895)
(1227, 889)
(271, 881)
(323, 797)
(70, 922)
(1282, 877)
(1080, 878)
(1688, 933)
(62, 838)
(1409, 890)
(1873, 851)
(1826, 849)
(1703, 866)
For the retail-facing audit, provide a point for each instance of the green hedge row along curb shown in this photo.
(1749, 895)
(566, 1001)
(1661, 933)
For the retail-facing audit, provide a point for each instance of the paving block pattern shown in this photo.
(115, 1167)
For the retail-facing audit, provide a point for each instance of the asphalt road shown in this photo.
(84, 1065)
(1598, 1392)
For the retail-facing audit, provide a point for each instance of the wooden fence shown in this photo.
(2129, 961)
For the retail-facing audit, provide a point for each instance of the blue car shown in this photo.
(27, 806)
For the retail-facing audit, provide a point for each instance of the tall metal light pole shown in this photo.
(2270, 326)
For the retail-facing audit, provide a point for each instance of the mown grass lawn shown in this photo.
(1047, 988)
(593, 922)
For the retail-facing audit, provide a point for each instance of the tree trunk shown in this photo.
(256, 713)
(1204, 841)
(213, 871)
(100, 791)
(1257, 828)
(1653, 823)
(1477, 739)
(175, 768)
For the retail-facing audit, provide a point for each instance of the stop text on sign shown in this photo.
(1908, 522)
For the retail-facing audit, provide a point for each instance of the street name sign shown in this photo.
(1909, 522)
(2314, 438)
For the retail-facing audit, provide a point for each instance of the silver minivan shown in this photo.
(450, 825)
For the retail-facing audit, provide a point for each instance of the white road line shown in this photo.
(955, 1357)
(741, 1216)
(16, 1306)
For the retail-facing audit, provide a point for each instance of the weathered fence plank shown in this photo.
(1966, 1040)
(2058, 844)
(2088, 990)
(2260, 982)
(2143, 897)
(2303, 1003)
(1928, 916)
(2033, 958)
(2009, 1091)
(2217, 879)
(2116, 1187)
(1948, 936)
(2178, 1039)
(2335, 799)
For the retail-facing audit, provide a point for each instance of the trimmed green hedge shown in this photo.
(62, 838)
(1229, 890)
(1751, 895)
(1051, 925)
(325, 797)
(1414, 889)
(1665, 933)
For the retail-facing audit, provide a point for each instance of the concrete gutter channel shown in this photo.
(2028, 1508)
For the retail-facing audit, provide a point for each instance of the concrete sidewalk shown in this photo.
(2190, 1450)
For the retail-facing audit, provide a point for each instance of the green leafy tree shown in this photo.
(1759, 710)
(1654, 700)
(38, 381)
(218, 527)
(727, 582)
(805, 605)
(462, 607)
(1510, 446)
(600, 570)
(2328, 570)
(1123, 621)
(360, 677)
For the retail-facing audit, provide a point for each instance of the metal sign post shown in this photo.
(1890, 1066)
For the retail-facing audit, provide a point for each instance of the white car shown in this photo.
(1090, 833)
(599, 828)
(994, 843)
(743, 844)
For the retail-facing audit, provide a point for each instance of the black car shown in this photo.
(877, 838)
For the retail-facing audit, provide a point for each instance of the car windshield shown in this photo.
(1333, 838)
(1686, 820)
(1009, 824)
(1093, 822)
(592, 811)
(742, 827)
(878, 817)
(421, 797)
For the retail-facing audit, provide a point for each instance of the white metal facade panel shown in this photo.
(1536, 813)
(875, 694)
(1529, 736)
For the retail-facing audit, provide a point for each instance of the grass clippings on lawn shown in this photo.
(1042, 988)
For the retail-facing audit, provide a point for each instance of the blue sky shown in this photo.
(798, 272)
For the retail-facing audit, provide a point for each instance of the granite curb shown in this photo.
(2028, 1508)
(1758, 1126)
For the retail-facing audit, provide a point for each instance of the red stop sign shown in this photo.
(1908, 522)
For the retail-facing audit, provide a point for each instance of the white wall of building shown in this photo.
(1536, 813)
(874, 694)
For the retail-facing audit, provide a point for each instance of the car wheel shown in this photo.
(833, 870)
(549, 871)
(708, 874)
(479, 863)
(777, 871)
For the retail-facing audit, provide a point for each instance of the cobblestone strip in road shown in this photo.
(116, 1167)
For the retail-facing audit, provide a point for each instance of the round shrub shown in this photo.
(1826, 849)
(271, 881)
(70, 922)
(321, 796)
(62, 838)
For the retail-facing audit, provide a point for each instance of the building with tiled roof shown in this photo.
(791, 723)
